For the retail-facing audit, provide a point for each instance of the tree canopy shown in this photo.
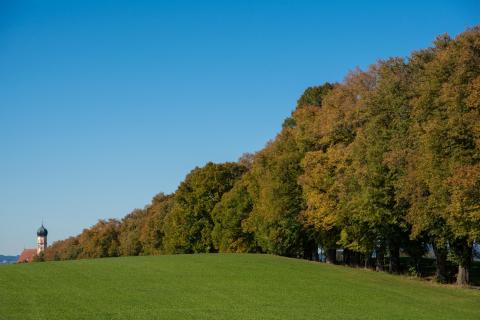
(385, 163)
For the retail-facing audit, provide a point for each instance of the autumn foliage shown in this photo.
(384, 164)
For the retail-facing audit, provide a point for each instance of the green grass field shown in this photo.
(224, 286)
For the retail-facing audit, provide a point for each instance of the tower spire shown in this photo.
(41, 238)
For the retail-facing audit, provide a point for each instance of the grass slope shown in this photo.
(231, 286)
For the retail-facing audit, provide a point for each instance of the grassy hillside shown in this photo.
(221, 287)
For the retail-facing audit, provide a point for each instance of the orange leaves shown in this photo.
(473, 99)
(464, 207)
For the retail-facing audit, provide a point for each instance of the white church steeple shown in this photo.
(41, 239)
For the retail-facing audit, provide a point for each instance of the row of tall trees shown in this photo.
(384, 163)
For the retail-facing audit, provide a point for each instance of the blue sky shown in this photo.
(103, 104)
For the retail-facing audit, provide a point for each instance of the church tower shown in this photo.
(41, 239)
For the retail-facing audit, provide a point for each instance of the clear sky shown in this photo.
(103, 104)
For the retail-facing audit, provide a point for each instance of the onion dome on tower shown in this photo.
(42, 232)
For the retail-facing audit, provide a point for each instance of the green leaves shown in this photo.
(388, 158)
(190, 222)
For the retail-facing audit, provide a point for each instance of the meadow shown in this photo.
(221, 286)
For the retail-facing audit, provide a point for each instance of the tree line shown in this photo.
(384, 164)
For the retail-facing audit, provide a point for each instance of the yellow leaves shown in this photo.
(464, 186)
(319, 187)
(339, 115)
(464, 208)
(473, 99)
(320, 212)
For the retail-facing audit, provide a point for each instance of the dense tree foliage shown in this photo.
(384, 164)
(189, 224)
(229, 233)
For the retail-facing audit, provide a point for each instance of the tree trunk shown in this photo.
(358, 259)
(316, 256)
(332, 256)
(355, 259)
(380, 257)
(347, 257)
(310, 251)
(416, 263)
(368, 261)
(463, 276)
(394, 261)
(464, 254)
(440, 263)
